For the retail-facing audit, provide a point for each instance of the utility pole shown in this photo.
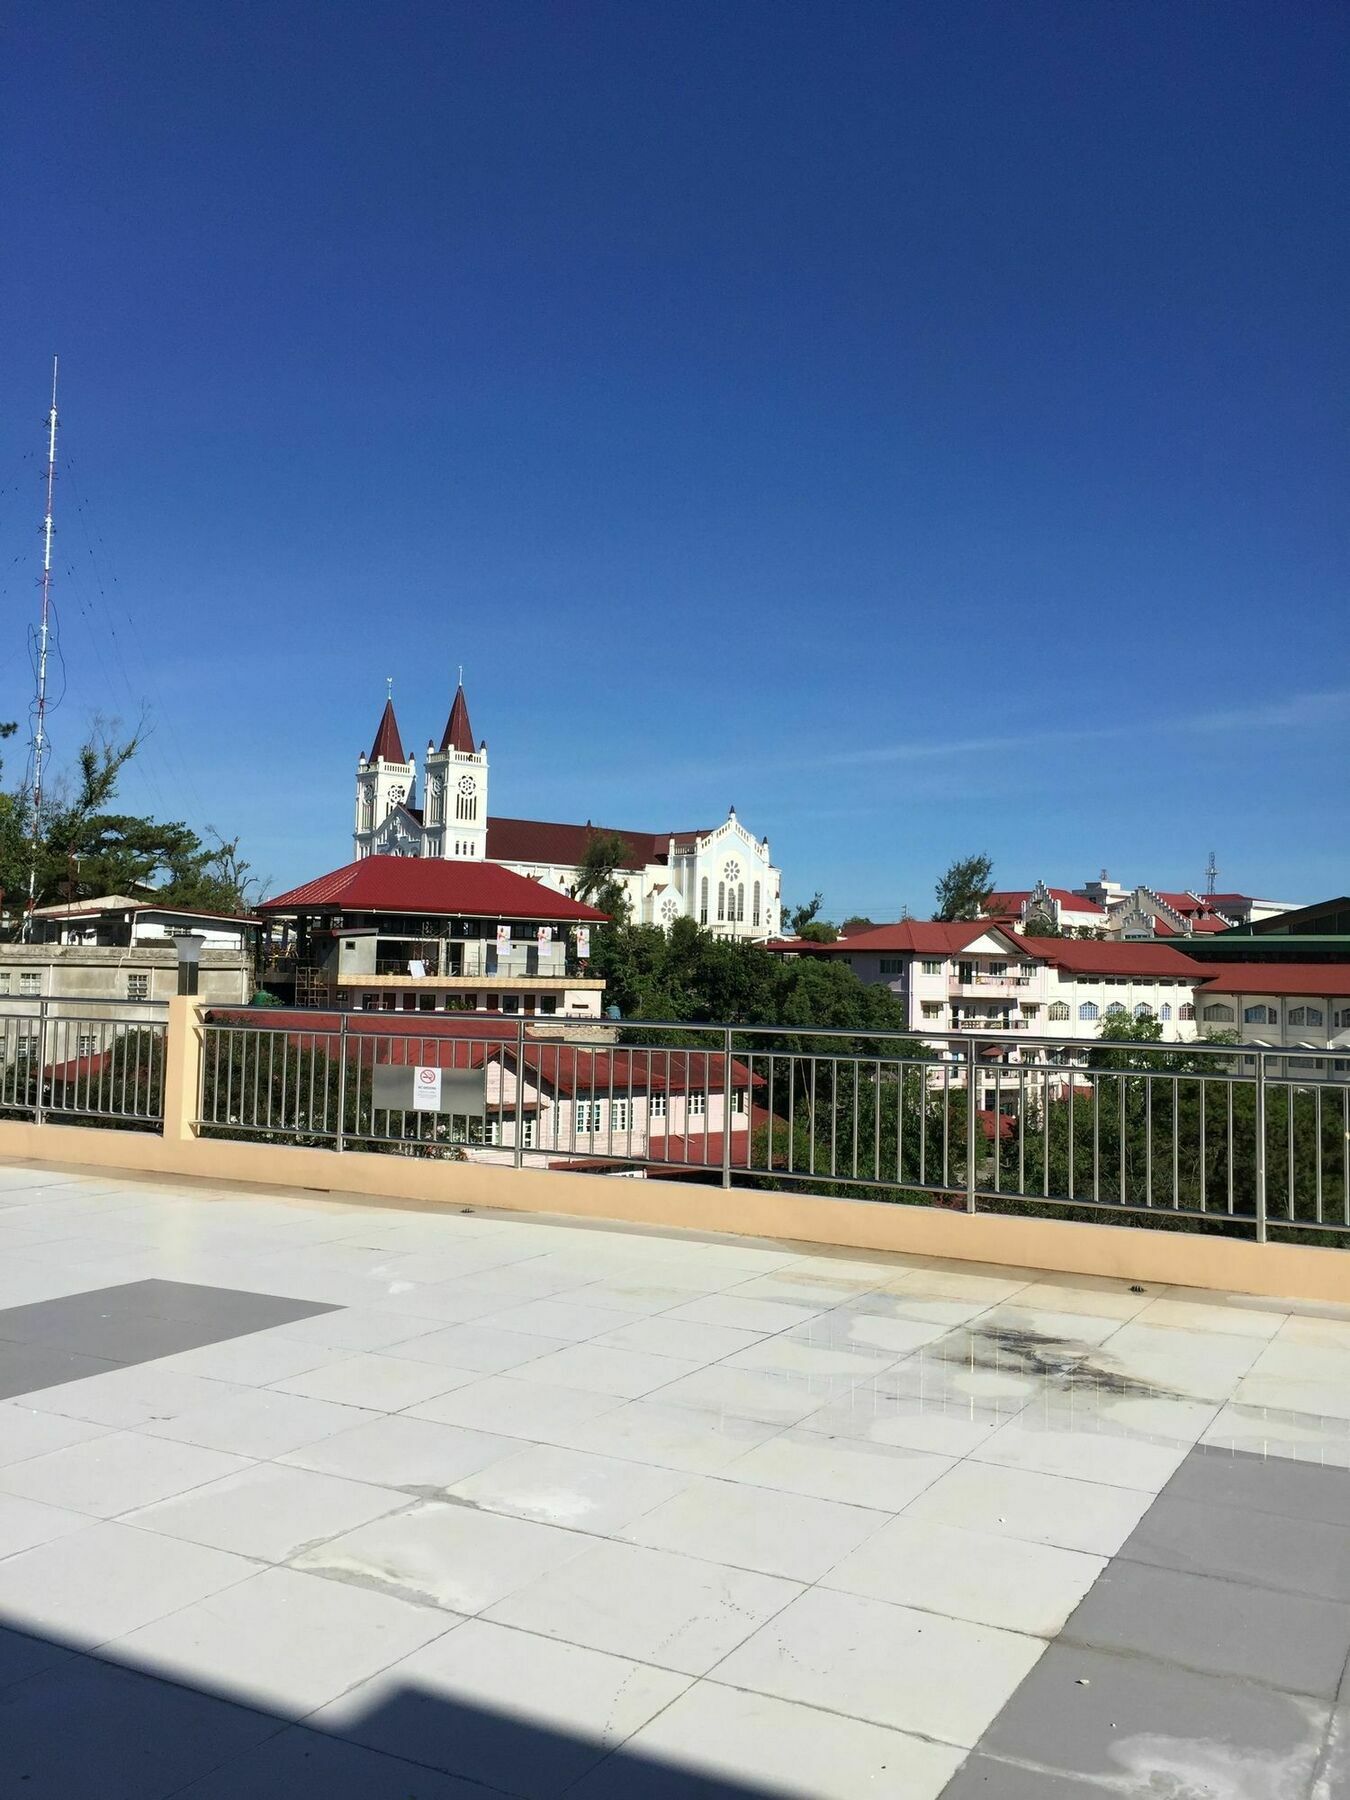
(43, 645)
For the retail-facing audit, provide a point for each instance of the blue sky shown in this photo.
(920, 425)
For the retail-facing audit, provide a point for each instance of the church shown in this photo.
(720, 877)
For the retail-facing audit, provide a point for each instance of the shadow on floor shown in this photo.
(76, 1725)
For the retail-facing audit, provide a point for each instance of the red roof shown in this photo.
(1113, 956)
(575, 1068)
(926, 937)
(388, 743)
(433, 888)
(1320, 980)
(565, 846)
(1013, 902)
(458, 733)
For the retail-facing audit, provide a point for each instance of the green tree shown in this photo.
(797, 919)
(963, 892)
(857, 923)
(598, 882)
(1040, 925)
(87, 849)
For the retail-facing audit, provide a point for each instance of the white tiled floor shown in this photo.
(802, 1522)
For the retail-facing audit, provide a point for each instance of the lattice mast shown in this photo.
(43, 647)
(1211, 875)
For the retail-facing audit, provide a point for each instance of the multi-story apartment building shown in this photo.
(980, 976)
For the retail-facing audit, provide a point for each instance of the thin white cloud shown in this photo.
(1328, 706)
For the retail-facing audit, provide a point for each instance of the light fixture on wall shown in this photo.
(189, 945)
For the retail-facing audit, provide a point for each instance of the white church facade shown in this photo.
(721, 877)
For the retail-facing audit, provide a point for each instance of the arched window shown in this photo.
(1215, 1014)
(1258, 1015)
(1165, 1011)
(1088, 1010)
(1187, 1012)
(740, 902)
(754, 901)
(1143, 1010)
(1114, 1010)
(1058, 1011)
(1305, 1015)
(721, 901)
(703, 901)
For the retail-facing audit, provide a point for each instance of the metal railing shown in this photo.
(1198, 1135)
(84, 1062)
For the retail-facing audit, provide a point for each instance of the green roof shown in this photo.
(1248, 946)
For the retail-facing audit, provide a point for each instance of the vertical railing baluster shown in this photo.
(1260, 1196)
(726, 1108)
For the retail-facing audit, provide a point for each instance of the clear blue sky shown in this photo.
(922, 425)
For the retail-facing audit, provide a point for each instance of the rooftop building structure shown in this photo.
(392, 933)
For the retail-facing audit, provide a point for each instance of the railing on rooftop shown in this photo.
(95, 1062)
(1200, 1135)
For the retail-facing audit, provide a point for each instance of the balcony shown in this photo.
(983, 1024)
(988, 984)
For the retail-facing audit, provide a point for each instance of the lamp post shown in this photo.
(189, 945)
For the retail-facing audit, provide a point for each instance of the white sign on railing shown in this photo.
(426, 1089)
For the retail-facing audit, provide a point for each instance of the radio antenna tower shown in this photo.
(43, 645)
(1211, 875)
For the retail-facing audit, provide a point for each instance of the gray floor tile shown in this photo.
(1272, 1484)
(48, 1343)
(86, 1727)
(985, 1778)
(1333, 1778)
(1263, 1548)
(27, 1368)
(1156, 1729)
(1289, 1641)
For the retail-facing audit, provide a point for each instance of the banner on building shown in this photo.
(583, 941)
(503, 938)
(545, 934)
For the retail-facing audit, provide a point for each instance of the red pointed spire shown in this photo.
(388, 743)
(458, 731)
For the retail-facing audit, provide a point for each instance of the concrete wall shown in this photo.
(87, 973)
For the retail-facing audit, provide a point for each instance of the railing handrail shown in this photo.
(543, 1024)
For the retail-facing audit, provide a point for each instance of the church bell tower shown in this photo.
(455, 796)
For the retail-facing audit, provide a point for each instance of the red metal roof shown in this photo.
(1013, 901)
(1113, 956)
(1320, 980)
(565, 846)
(576, 1068)
(926, 937)
(432, 887)
(388, 743)
(458, 734)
